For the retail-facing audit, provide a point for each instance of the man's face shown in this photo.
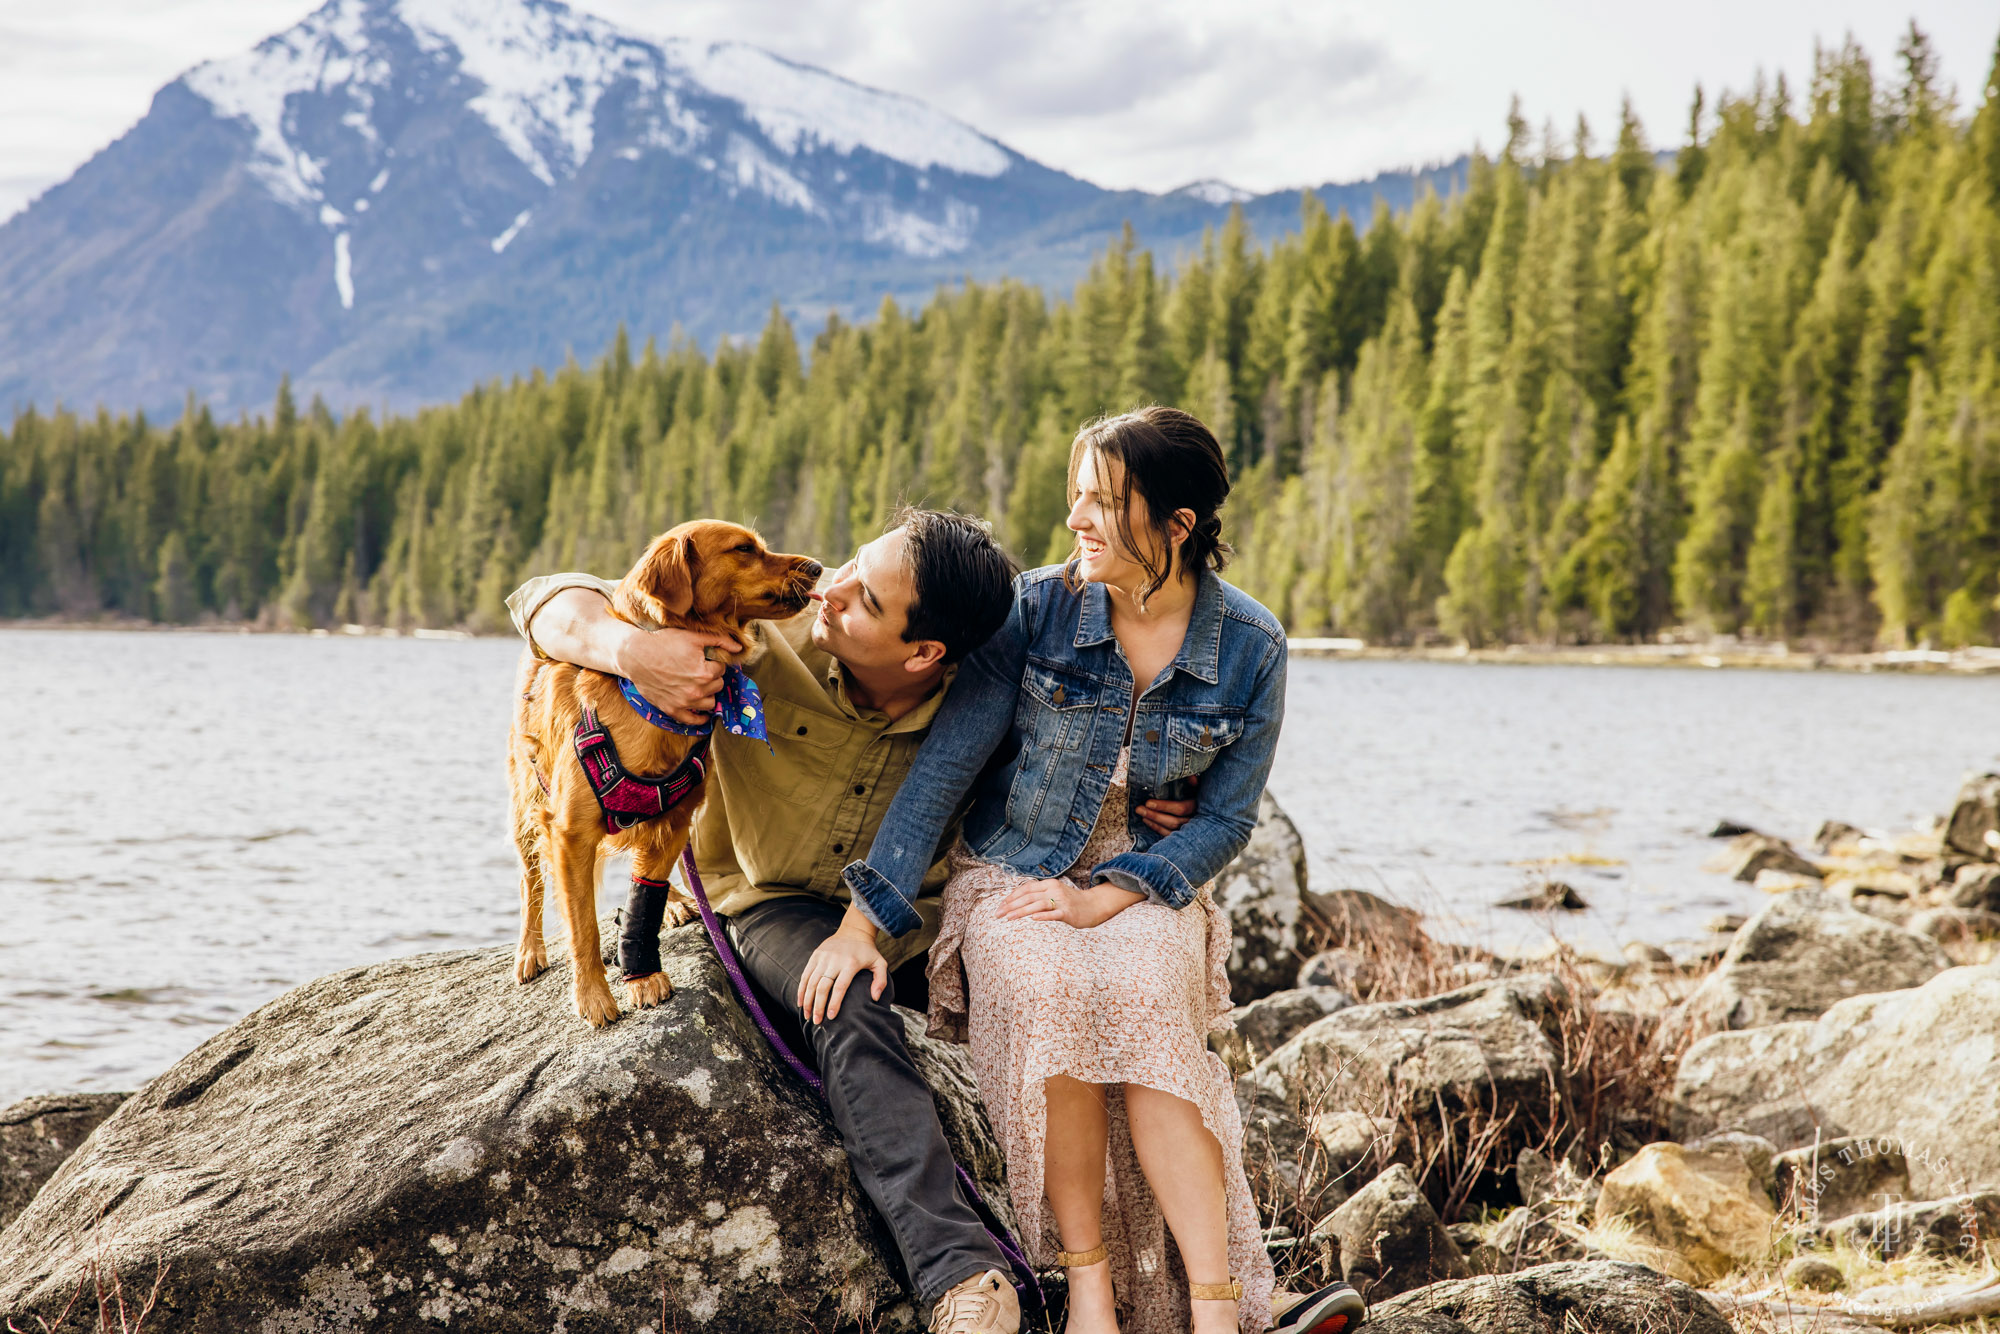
(865, 608)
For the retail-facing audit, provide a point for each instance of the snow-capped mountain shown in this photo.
(398, 197)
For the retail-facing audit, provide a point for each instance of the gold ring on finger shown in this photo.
(1052, 903)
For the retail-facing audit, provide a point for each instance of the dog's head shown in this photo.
(715, 573)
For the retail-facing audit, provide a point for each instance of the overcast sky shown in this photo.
(1264, 94)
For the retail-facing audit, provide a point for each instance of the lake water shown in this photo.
(192, 823)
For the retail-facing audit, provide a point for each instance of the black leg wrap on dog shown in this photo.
(639, 940)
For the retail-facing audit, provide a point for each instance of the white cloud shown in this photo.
(1141, 93)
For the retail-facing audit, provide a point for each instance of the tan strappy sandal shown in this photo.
(1097, 1255)
(1232, 1291)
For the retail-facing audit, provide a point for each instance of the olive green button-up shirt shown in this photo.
(781, 821)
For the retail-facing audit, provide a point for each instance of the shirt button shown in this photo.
(859, 789)
(840, 847)
(1152, 734)
(802, 731)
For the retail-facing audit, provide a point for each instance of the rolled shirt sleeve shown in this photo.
(525, 601)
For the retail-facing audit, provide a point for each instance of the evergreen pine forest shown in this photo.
(1600, 394)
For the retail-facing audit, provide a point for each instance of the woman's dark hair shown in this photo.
(962, 580)
(1174, 463)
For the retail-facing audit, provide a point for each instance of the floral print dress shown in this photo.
(1128, 1002)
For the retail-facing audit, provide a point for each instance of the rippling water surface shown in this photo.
(193, 823)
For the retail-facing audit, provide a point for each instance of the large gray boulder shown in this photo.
(1262, 1026)
(1601, 1296)
(425, 1141)
(1920, 1067)
(1480, 1046)
(36, 1134)
(1261, 894)
(1804, 951)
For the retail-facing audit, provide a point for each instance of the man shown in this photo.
(850, 688)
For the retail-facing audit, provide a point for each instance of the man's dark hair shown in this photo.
(963, 580)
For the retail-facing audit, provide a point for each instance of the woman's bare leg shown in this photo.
(1183, 1165)
(1078, 1131)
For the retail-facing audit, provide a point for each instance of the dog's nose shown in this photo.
(812, 569)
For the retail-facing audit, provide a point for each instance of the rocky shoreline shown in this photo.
(1799, 1129)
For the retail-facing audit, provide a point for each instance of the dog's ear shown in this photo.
(662, 583)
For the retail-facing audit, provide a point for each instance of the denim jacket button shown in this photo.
(1152, 734)
(1058, 696)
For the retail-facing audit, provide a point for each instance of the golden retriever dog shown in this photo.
(704, 576)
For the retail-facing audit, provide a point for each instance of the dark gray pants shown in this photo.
(880, 1102)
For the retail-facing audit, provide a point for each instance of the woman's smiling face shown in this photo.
(1094, 518)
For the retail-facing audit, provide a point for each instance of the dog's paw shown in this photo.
(648, 990)
(530, 964)
(595, 1005)
(680, 912)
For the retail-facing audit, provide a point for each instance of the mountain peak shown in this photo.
(541, 69)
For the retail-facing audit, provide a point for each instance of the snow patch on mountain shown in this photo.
(885, 224)
(329, 49)
(1214, 192)
(544, 68)
(797, 107)
(753, 169)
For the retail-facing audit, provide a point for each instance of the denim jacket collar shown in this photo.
(1201, 649)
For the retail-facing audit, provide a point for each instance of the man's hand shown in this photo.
(1164, 817)
(668, 666)
(847, 953)
(1060, 901)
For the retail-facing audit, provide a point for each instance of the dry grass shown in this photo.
(110, 1310)
(1604, 1098)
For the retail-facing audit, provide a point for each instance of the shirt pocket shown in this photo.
(1194, 740)
(795, 767)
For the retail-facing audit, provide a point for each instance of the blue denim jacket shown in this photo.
(1032, 727)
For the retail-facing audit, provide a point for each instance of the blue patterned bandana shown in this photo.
(739, 709)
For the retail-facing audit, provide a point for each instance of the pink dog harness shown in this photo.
(625, 798)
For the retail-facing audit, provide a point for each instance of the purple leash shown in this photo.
(995, 1230)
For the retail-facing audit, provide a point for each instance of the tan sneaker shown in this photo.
(986, 1304)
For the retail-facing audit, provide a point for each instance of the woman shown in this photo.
(1080, 949)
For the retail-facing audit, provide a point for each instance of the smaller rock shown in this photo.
(1540, 1181)
(1771, 881)
(1357, 1147)
(1548, 896)
(1345, 969)
(1390, 1238)
(1955, 926)
(1537, 1235)
(1264, 1025)
(1755, 1152)
(1730, 829)
(1752, 853)
(1977, 885)
(1641, 955)
(1841, 1177)
(1726, 923)
(1835, 834)
(1813, 1274)
(37, 1134)
(1973, 827)
(1260, 895)
(1357, 918)
(1704, 1206)
(1953, 1227)
(1803, 952)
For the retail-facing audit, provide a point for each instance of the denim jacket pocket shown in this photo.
(1054, 717)
(1194, 739)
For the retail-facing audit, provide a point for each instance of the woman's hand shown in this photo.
(1060, 901)
(841, 957)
